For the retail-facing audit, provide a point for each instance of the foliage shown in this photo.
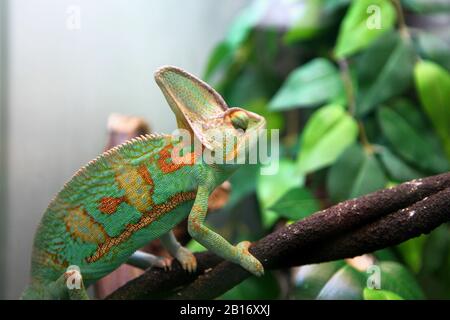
(361, 108)
(338, 280)
(312, 84)
(354, 33)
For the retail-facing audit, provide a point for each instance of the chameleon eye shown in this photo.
(239, 119)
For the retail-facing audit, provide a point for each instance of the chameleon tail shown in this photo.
(68, 286)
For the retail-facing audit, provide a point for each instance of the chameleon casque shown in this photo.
(135, 193)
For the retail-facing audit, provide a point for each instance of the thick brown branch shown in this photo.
(351, 228)
(157, 283)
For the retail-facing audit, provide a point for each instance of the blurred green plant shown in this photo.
(363, 101)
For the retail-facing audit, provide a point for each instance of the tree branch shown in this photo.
(351, 228)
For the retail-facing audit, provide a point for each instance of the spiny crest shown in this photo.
(133, 141)
(100, 163)
(115, 150)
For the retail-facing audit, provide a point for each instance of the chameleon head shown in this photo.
(241, 130)
(201, 110)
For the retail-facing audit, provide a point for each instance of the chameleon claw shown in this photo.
(164, 263)
(187, 260)
(193, 265)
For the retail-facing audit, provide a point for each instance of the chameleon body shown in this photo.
(136, 192)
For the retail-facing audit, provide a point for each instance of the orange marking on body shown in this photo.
(46, 258)
(145, 175)
(147, 218)
(197, 226)
(56, 260)
(80, 225)
(166, 164)
(109, 205)
(137, 191)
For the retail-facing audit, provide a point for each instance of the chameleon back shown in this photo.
(120, 201)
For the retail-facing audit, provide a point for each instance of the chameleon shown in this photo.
(136, 192)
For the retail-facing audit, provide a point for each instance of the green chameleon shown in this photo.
(136, 192)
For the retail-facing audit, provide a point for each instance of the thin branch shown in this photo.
(348, 85)
(370, 149)
(351, 101)
(351, 228)
(403, 28)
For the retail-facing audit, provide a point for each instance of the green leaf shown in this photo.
(328, 132)
(397, 168)
(412, 252)
(220, 55)
(355, 173)
(336, 280)
(346, 284)
(314, 83)
(433, 48)
(437, 250)
(239, 31)
(243, 183)
(433, 86)
(386, 254)
(385, 70)
(310, 279)
(270, 188)
(412, 114)
(248, 86)
(417, 119)
(245, 22)
(296, 204)
(427, 6)
(365, 21)
(409, 143)
(374, 294)
(312, 20)
(253, 288)
(396, 278)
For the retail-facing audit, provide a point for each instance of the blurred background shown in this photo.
(359, 89)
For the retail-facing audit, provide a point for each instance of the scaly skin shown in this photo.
(135, 193)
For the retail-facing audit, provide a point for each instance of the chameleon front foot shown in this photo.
(183, 255)
(247, 260)
(186, 259)
(144, 260)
